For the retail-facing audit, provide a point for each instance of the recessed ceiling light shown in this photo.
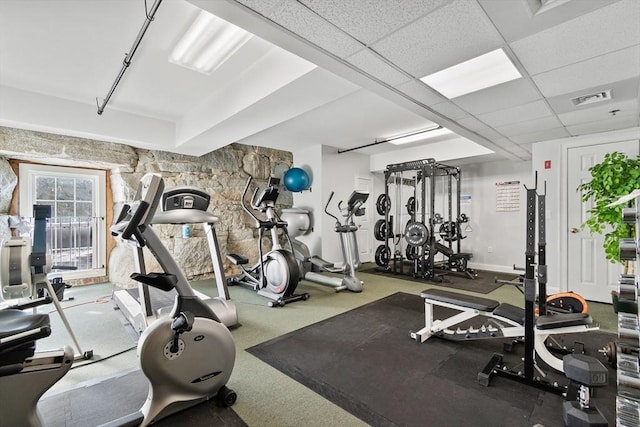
(484, 71)
(208, 43)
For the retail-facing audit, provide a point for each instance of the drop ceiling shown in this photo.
(337, 73)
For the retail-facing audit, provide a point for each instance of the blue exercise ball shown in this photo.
(296, 180)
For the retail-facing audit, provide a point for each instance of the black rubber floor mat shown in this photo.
(484, 283)
(364, 361)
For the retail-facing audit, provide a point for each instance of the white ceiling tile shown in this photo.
(372, 64)
(449, 109)
(369, 20)
(530, 111)
(616, 122)
(506, 95)
(421, 92)
(619, 65)
(263, 7)
(545, 135)
(623, 90)
(454, 33)
(530, 126)
(597, 33)
(598, 112)
(297, 18)
(517, 19)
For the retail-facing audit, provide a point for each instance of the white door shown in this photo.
(589, 272)
(364, 235)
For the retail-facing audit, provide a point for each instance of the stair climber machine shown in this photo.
(276, 275)
(187, 357)
(141, 306)
(312, 266)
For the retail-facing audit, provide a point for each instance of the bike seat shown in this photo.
(14, 322)
(18, 332)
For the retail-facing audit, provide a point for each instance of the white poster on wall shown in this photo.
(508, 196)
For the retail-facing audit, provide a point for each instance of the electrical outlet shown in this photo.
(489, 249)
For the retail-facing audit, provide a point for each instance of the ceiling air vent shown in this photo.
(605, 95)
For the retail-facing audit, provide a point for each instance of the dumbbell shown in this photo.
(587, 372)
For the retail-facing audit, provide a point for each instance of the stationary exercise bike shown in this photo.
(311, 266)
(187, 356)
(276, 275)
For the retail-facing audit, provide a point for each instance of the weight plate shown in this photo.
(416, 233)
(411, 205)
(449, 231)
(412, 252)
(382, 256)
(380, 230)
(382, 204)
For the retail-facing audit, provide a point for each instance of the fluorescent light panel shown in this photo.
(208, 43)
(418, 135)
(484, 71)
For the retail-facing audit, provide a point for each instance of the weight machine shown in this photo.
(413, 250)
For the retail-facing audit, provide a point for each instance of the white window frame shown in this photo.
(27, 180)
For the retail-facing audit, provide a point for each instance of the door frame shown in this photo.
(565, 145)
(368, 213)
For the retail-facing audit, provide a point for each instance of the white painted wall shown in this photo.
(497, 241)
(310, 159)
(339, 172)
(503, 232)
(330, 171)
(556, 178)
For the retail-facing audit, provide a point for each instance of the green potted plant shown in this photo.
(617, 175)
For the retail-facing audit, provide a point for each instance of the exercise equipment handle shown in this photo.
(244, 204)
(326, 207)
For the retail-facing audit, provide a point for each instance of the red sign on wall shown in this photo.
(547, 164)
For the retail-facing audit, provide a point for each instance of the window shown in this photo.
(76, 234)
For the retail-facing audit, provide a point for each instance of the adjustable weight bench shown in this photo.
(503, 321)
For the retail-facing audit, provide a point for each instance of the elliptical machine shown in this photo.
(187, 356)
(276, 274)
(311, 266)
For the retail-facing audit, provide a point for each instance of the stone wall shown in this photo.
(222, 174)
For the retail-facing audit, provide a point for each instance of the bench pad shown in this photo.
(553, 321)
(510, 312)
(466, 301)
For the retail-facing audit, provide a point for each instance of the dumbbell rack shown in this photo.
(628, 346)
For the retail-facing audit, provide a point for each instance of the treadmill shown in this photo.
(142, 305)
